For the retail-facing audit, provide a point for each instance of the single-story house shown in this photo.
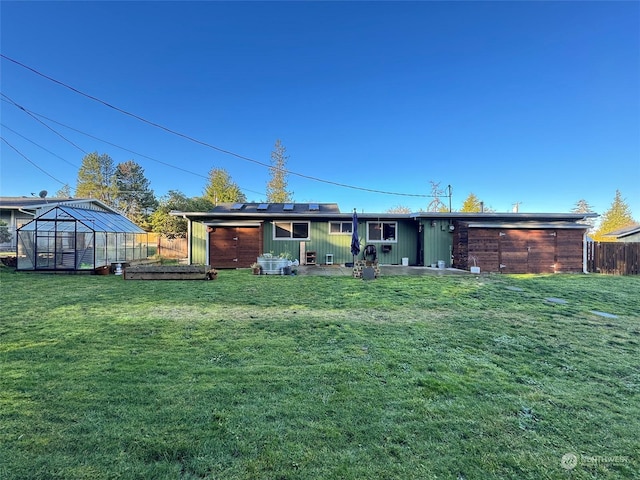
(70, 234)
(626, 234)
(234, 235)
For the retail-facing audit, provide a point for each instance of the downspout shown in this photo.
(584, 252)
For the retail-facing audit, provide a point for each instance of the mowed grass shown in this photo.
(268, 377)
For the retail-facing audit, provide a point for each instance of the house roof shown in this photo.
(624, 232)
(259, 211)
(35, 203)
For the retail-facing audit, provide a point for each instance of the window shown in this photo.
(289, 230)
(382, 231)
(340, 228)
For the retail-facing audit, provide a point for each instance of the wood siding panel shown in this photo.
(570, 246)
(484, 248)
(519, 250)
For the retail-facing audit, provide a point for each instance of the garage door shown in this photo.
(234, 247)
(527, 251)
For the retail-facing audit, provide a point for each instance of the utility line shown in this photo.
(38, 145)
(113, 145)
(41, 122)
(201, 142)
(32, 163)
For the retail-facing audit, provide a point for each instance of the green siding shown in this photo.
(198, 245)
(437, 242)
(324, 243)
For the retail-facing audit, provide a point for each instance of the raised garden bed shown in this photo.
(169, 272)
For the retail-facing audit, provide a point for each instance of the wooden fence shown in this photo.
(168, 247)
(614, 258)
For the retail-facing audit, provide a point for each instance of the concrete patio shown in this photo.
(385, 270)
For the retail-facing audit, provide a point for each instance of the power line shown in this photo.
(114, 145)
(201, 142)
(38, 145)
(39, 121)
(31, 162)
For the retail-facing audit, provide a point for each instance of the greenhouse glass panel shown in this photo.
(67, 238)
(26, 248)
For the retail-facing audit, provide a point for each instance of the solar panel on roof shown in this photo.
(263, 206)
(314, 206)
(237, 206)
(288, 207)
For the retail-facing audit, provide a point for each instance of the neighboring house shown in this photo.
(626, 234)
(70, 234)
(234, 235)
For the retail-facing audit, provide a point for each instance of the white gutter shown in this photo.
(584, 253)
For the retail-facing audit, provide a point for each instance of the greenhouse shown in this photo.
(78, 239)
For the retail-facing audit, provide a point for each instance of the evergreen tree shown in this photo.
(134, 195)
(221, 188)
(96, 178)
(277, 185)
(471, 204)
(618, 216)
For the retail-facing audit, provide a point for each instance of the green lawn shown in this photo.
(269, 377)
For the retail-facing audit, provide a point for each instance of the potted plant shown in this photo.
(255, 268)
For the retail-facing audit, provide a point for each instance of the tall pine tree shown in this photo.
(221, 188)
(96, 178)
(471, 204)
(277, 185)
(134, 195)
(618, 216)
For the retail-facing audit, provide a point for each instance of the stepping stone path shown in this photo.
(604, 314)
(564, 302)
(555, 300)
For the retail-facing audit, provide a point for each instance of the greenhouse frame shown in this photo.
(78, 239)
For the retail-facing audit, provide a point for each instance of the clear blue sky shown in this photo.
(531, 102)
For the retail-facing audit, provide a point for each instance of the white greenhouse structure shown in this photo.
(67, 238)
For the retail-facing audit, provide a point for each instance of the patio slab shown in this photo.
(388, 270)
